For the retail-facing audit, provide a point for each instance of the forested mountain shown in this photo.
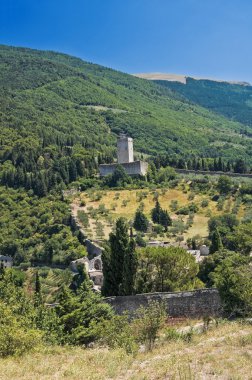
(231, 100)
(59, 117)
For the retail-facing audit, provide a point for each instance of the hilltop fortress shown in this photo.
(125, 157)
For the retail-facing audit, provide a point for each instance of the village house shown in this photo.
(6, 261)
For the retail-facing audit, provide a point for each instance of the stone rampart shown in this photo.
(131, 168)
(191, 304)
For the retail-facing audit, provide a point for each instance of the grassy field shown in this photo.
(223, 353)
(124, 203)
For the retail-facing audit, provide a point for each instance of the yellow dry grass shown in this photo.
(224, 353)
(124, 203)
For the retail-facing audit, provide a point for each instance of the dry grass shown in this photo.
(222, 353)
(115, 200)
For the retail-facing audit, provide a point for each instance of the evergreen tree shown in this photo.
(140, 222)
(118, 261)
(129, 270)
(155, 213)
(161, 216)
(165, 219)
(216, 243)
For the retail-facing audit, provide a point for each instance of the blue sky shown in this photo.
(207, 38)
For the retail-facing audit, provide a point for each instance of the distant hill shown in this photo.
(182, 78)
(162, 77)
(58, 113)
(231, 99)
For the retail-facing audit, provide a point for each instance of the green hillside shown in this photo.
(59, 113)
(233, 101)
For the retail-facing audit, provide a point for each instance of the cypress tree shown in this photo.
(161, 216)
(164, 219)
(119, 262)
(129, 270)
(216, 242)
(155, 213)
(140, 222)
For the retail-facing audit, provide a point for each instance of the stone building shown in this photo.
(6, 261)
(93, 268)
(125, 157)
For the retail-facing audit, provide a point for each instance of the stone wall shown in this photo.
(93, 248)
(204, 172)
(193, 304)
(131, 168)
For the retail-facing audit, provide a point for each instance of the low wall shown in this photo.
(193, 304)
(205, 172)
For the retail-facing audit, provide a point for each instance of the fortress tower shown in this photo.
(125, 157)
(124, 149)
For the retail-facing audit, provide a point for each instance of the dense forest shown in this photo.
(228, 99)
(60, 116)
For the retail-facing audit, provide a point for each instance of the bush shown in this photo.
(204, 203)
(83, 217)
(14, 338)
(140, 241)
(117, 333)
(192, 207)
(174, 205)
(148, 323)
(172, 334)
(158, 229)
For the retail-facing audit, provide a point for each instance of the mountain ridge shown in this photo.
(183, 78)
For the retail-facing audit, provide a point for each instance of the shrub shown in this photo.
(204, 203)
(148, 323)
(83, 217)
(117, 333)
(140, 241)
(171, 334)
(14, 338)
(174, 205)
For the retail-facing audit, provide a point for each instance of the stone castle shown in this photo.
(125, 157)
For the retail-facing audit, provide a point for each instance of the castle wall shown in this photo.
(131, 168)
(191, 304)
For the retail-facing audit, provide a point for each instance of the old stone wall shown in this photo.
(191, 304)
(131, 168)
(204, 172)
(93, 248)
